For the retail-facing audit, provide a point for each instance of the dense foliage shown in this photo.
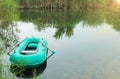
(57, 4)
(61, 4)
(8, 9)
(8, 4)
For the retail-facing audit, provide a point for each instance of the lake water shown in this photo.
(86, 42)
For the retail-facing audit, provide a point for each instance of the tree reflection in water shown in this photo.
(64, 21)
(22, 72)
(8, 36)
(8, 15)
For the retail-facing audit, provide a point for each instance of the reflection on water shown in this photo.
(64, 21)
(87, 41)
(28, 73)
(8, 35)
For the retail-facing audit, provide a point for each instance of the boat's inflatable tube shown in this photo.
(30, 53)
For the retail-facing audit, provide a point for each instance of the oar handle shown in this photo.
(52, 52)
(50, 55)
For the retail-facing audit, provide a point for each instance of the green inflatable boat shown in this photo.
(30, 53)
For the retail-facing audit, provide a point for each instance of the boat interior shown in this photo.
(31, 48)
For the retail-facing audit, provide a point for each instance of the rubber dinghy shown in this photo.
(30, 53)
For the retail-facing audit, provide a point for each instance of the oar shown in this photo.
(53, 52)
(15, 46)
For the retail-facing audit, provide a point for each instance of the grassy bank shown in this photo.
(8, 10)
(61, 4)
(57, 4)
(64, 4)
